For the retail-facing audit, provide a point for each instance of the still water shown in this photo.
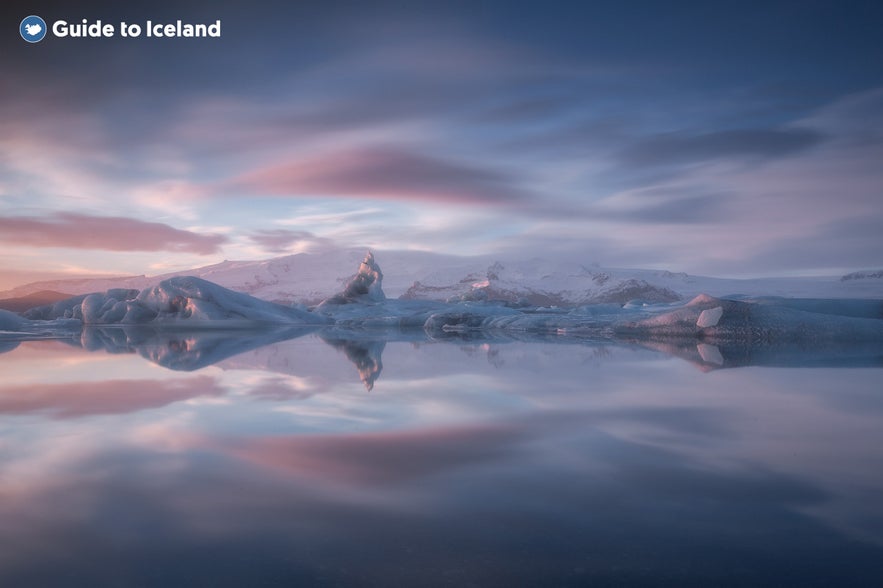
(317, 459)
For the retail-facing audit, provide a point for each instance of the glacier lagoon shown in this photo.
(324, 456)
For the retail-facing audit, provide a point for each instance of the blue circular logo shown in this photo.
(32, 29)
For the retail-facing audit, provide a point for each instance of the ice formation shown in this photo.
(761, 321)
(186, 300)
(16, 325)
(418, 275)
(365, 287)
(494, 301)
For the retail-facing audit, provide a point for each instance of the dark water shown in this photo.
(194, 459)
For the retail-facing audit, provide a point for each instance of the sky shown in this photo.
(724, 139)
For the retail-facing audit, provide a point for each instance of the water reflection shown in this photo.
(364, 354)
(114, 396)
(185, 350)
(490, 462)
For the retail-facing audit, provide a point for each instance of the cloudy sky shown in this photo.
(727, 139)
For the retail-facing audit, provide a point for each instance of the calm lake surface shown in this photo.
(211, 459)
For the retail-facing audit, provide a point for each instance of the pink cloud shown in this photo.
(382, 173)
(81, 231)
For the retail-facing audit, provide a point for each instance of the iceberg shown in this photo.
(768, 320)
(185, 300)
(14, 325)
(193, 302)
(364, 287)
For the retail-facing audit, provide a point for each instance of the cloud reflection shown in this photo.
(114, 396)
(547, 498)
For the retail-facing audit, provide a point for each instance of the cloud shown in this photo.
(386, 173)
(686, 210)
(283, 240)
(685, 147)
(82, 231)
(846, 243)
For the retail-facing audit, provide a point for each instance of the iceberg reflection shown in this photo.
(191, 350)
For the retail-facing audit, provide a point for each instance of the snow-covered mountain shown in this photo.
(312, 277)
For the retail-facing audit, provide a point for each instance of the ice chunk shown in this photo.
(710, 317)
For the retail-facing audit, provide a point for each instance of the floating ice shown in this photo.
(184, 300)
(710, 317)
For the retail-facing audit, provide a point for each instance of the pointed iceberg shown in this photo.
(365, 286)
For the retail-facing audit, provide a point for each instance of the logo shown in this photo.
(32, 29)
